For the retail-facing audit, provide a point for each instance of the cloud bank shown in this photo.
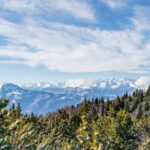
(71, 47)
(142, 82)
(115, 4)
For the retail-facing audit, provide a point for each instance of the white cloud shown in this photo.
(141, 19)
(79, 9)
(115, 4)
(142, 82)
(73, 48)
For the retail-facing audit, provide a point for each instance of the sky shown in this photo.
(57, 40)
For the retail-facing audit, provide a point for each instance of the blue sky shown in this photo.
(57, 40)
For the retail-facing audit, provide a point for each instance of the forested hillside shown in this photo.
(98, 124)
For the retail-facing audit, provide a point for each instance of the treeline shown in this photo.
(98, 124)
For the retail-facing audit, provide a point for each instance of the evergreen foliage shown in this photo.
(119, 124)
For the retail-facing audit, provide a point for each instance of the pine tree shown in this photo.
(140, 95)
(13, 108)
(13, 112)
(96, 101)
(135, 104)
(125, 95)
(3, 115)
(3, 125)
(85, 134)
(118, 104)
(139, 111)
(102, 107)
(123, 127)
(107, 106)
(127, 107)
(130, 99)
(148, 91)
(18, 110)
(146, 106)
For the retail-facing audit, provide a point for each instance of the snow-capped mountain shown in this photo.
(41, 98)
(39, 102)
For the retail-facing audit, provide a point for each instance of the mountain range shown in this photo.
(42, 98)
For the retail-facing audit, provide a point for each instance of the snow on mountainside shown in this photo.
(82, 84)
(41, 98)
(142, 83)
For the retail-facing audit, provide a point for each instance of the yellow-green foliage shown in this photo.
(122, 124)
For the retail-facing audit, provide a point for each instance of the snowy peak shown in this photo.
(36, 85)
(80, 83)
(41, 98)
(103, 83)
(42, 85)
(10, 87)
(83, 84)
(140, 83)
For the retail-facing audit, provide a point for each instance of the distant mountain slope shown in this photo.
(41, 98)
(36, 101)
